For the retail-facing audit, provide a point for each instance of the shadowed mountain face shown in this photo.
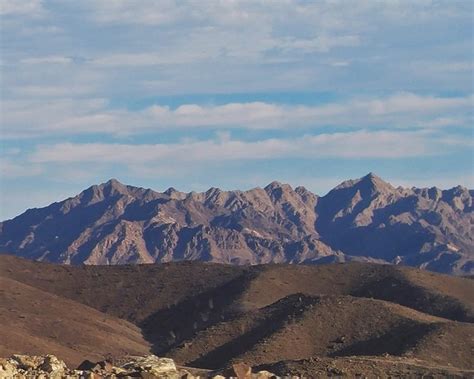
(365, 219)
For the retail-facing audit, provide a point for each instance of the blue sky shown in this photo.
(232, 94)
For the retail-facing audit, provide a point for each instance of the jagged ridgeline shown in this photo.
(364, 220)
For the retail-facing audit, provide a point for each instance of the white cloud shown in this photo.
(27, 118)
(279, 30)
(360, 144)
(193, 32)
(408, 102)
(51, 59)
(330, 14)
(156, 47)
(21, 7)
(316, 44)
(68, 116)
(38, 91)
(209, 44)
(441, 122)
(149, 12)
(10, 169)
(439, 67)
(340, 63)
(149, 59)
(28, 30)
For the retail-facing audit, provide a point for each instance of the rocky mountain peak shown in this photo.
(369, 184)
(459, 197)
(112, 182)
(277, 190)
(113, 186)
(213, 191)
(273, 185)
(459, 190)
(372, 178)
(375, 184)
(174, 194)
(170, 191)
(97, 193)
(432, 193)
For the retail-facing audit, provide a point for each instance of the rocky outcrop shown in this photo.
(365, 220)
(147, 367)
(31, 366)
(152, 367)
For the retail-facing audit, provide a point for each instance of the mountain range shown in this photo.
(366, 220)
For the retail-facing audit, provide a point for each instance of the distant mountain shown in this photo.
(364, 220)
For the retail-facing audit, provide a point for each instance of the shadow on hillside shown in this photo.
(169, 327)
(276, 316)
(397, 341)
(397, 289)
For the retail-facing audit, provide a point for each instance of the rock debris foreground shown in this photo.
(147, 367)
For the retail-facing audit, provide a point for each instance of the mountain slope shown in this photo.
(210, 315)
(365, 219)
(304, 326)
(175, 295)
(37, 322)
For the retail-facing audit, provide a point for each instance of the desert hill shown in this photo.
(210, 315)
(365, 220)
(328, 326)
(35, 321)
(353, 367)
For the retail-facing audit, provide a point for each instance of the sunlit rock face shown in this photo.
(365, 219)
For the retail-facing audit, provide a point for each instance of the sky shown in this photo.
(232, 94)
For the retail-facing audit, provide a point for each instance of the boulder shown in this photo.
(242, 370)
(42, 363)
(87, 365)
(264, 375)
(33, 366)
(152, 366)
(27, 362)
(7, 368)
(91, 375)
(118, 370)
(51, 364)
(184, 374)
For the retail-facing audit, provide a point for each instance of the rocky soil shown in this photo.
(365, 367)
(151, 367)
(146, 367)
